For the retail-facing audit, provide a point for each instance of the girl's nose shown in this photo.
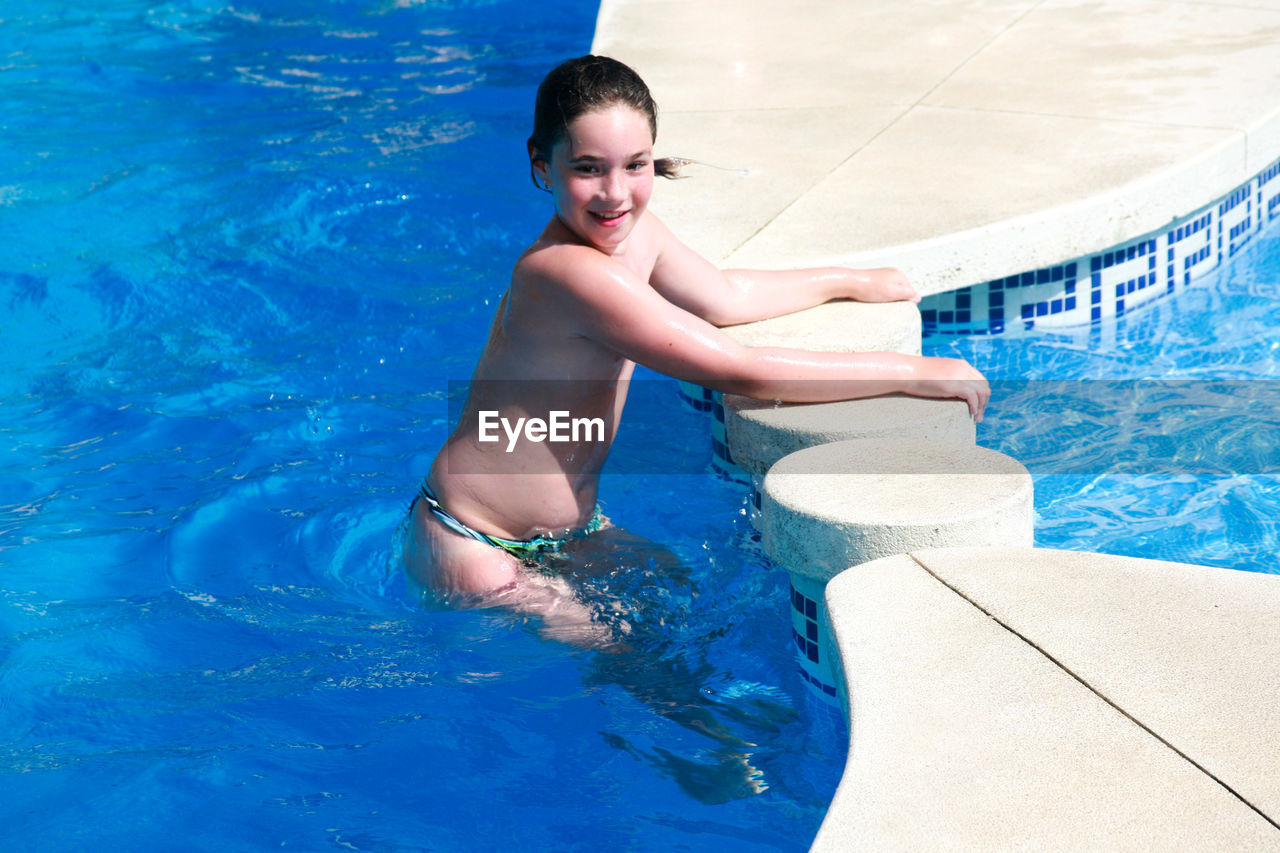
(613, 186)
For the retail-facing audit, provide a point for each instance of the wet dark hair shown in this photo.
(583, 85)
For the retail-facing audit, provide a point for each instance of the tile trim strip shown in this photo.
(1107, 284)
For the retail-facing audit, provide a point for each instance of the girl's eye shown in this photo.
(585, 170)
(636, 167)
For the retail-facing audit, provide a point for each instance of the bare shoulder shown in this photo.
(656, 227)
(654, 239)
(571, 270)
(555, 261)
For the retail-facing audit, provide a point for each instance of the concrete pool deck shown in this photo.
(1050, 700)
(961, 140)
(1015, 697)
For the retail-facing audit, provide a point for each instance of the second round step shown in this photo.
(831, 507)
(760, 432)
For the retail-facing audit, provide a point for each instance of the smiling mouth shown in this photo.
(607, 218)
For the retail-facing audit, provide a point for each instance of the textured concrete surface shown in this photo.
(968, 735)
(961, 140)
(830, 507)
(762, 432)
(838, 327)
(1191, 652)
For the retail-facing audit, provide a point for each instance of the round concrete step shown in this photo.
(760, 432)
(834, 506)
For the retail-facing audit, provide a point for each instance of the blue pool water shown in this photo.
(245, 252)
(1153, 435)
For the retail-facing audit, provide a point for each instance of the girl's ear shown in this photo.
(538, 169)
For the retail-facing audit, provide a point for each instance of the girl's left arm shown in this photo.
(729, 297)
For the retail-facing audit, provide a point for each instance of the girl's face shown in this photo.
(601, 175)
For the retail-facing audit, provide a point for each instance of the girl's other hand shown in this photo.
(953, 377)
(883, 285)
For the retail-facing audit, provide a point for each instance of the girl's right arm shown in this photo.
(610, 305)
(804, 376)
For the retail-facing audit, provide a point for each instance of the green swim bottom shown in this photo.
(528, 550)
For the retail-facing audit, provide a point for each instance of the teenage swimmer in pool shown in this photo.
(604, 287)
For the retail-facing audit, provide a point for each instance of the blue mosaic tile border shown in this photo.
(712, 402)
(719, 438)
(721, 457)
(1107, 284)
(807, 637)
(695, 396)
